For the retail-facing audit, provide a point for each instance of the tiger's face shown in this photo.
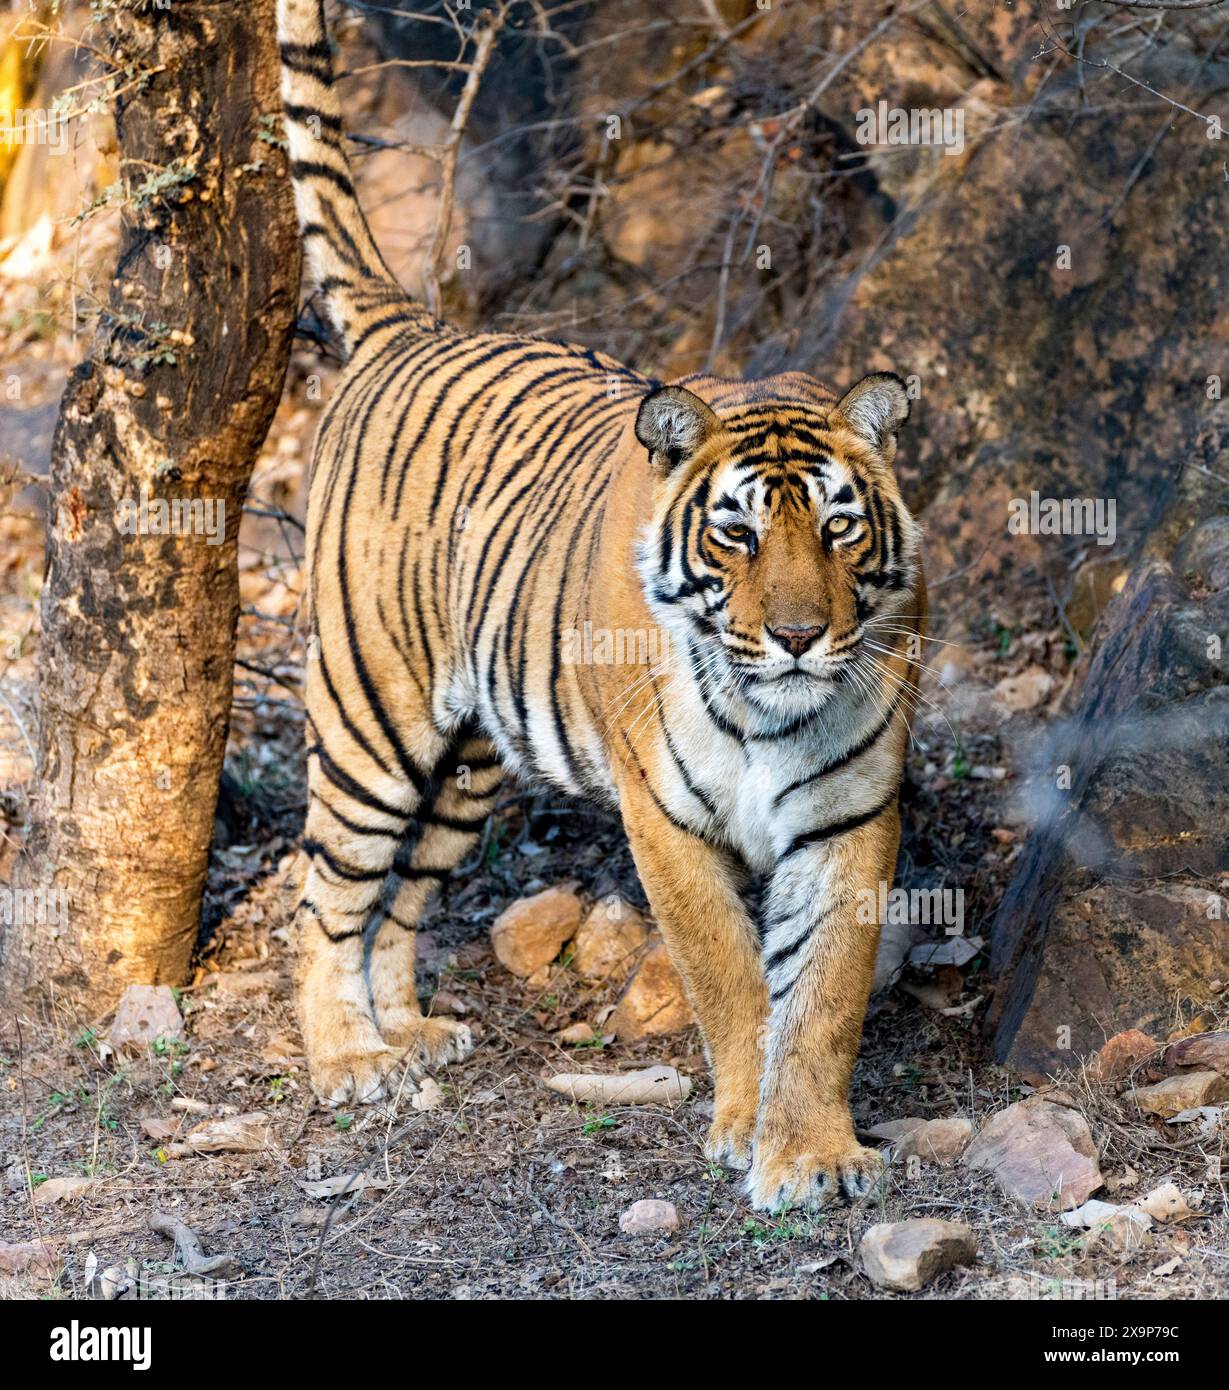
(781, 551)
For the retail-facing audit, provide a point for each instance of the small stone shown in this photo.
(576, 1033)
(1025, 691)
(649, 1217)
(655, 1002)
(1166, 1203)
(530, 933)
(906, 1255)
(1122, 1053)
(1042, 1154)
(1205, 1052)
(1119, 1228)
(1186, 1091)
(145, 1014)
(31, 1258)
(608, 940)
(445, 1002)
(932, 1141)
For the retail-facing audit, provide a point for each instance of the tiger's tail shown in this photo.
(360, 291)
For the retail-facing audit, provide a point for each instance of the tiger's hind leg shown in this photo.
(448, 827)
(360, 802)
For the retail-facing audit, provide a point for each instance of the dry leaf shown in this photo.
(63, 1190)
(235, 1134)
(342, 1184)
(429, 1096)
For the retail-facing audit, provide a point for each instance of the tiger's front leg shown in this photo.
(819, 958)
(693, 891)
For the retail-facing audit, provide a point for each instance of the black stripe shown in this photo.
(354, 790)
(315, 169)
(841, 827)
(304, 115)
(312, 848)
(870, 738)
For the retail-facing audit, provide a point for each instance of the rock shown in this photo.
(1042, 1154)
(932, 1141)
(1119, 1228)
(1165, 1203)
(1206, 1052)
(654, 1003)
(952, 950)
(1121, 1053)
(145, 1014)
(29, 1258)
(649, 1217)
(1025, 691)
(530, 933)
(1187, 1091)
(906, 1255)
(1109, 918)
(608, 940)
(576, 1033)
(648, 1086)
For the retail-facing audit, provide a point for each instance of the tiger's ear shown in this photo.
(875, 409)
(672, 424)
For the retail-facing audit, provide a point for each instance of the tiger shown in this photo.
(476, 500)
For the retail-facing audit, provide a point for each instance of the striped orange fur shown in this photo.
(697, 603)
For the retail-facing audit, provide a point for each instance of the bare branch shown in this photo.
(460, 119)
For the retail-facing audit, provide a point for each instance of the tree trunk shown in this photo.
(139, 608)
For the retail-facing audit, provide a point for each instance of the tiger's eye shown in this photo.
(737, 533)
(839, 525)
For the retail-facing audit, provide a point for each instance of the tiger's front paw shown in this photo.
(730, 1136)
(811, 1176)
(347, 1059)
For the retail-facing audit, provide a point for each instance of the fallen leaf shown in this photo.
(156, 1128)
(429, 1096)
(63, 1190)
(341, 1184)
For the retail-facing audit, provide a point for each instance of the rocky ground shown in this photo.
(491, 1183)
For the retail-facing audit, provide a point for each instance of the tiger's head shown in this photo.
(779, 541)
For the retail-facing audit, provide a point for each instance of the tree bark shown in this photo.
(170, 406)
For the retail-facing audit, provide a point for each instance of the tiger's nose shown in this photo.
(796, 640)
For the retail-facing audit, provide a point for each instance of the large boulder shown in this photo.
(1112, 913)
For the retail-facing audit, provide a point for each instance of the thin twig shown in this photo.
(460, 119)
